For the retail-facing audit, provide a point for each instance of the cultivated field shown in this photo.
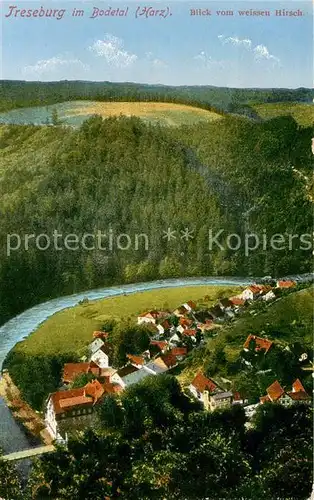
(71, 329)
(302, 113)
(161, 112)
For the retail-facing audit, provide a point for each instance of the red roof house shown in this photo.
(260, 343)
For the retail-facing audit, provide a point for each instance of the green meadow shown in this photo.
(71, 329)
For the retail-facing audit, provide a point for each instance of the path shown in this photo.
(32, 452)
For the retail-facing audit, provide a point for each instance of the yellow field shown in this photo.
(166, 113)
(301, 112)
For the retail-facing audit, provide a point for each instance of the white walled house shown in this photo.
(100, 358)
(202, 387)
(95, 345)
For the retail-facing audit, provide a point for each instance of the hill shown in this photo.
(301, 112)
(134, 182)
(15, 94)
(155, 112)
(287, 322)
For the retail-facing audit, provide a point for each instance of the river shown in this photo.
(12, 437)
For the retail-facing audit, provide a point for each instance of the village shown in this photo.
(173, 335)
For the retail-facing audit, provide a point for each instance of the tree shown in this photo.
(10, 485)
(55, 117)
(110, 413)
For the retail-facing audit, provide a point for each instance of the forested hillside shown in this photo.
(121, 175)
(14, 94)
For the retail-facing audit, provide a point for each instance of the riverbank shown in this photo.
(32, 422)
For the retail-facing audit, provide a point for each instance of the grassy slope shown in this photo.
(162, 112)
(296, 307)
(71, 329)
(302, 113)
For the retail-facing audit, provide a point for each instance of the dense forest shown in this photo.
(157, 444)
(15, 94)
(123, 176)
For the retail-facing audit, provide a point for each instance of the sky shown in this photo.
(179, 49)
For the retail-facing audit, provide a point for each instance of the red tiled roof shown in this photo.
(110, 388)
(257, 288)
(72, 370)
(161, 344)
(237, 396)
(191, 304)
(236, 301)
(63, 400)
(298, 396)
(169, 359)
(166, 324)
(186, 322)
(179, 351)
(202, 383)
(275, 391)
(297, 386)
(286, 284)
(264, 399)
(100, 335)
(149, 314)
(260, 343)
(94, 389)
(138, 360)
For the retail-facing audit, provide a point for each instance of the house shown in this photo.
(174, 340)
(201, 387)
(184, 323)
(286, 284)
(148, 317)
(208, 325)
(216, 313)
(132, 375)
(237, 302)
(73, 410)
(270, 295)
(277, 394)
(137, 361)
(181, 311)
(238, 399)
(190, 333)
(225, 304)
(179, 352)
(95, 345)
(163, 327)
(190, 306)
(73, 370)
(260, 343)
(110, 376)
(298, 392)
(162, 363)
(169, 360)
(100, 335)
(162, 345)
(100, 358)
(220, 400)
(157, 366)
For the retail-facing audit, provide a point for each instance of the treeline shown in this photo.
(155, 442)
(121, 176)
(15, 94)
